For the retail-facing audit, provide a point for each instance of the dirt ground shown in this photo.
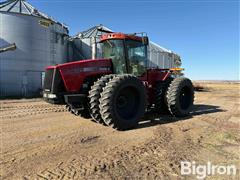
(43, 141)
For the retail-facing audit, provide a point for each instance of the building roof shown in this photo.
(156, 47)
(23, 7)
(95, 31)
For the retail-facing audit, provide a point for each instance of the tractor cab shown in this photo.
(128, 52)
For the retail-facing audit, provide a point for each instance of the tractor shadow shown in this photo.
(153, 119)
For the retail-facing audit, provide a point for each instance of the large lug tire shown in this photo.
(180, 97)
(94, 96)
(123, 102)
(160, 96)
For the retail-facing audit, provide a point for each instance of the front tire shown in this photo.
(94, 96)
(180, 97)
(123, 102)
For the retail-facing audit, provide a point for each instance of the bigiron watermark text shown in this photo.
(203, 170)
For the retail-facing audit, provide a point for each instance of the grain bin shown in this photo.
(40, 41)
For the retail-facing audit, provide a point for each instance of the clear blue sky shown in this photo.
(204, 33)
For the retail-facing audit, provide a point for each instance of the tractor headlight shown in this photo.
(52, 96)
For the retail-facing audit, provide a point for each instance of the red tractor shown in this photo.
(119, 89)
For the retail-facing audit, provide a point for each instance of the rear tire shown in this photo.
(180, 97)
(160, 91)
(94, 96)
(123, 102)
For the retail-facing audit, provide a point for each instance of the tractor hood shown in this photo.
(74, 73)
(81, 63)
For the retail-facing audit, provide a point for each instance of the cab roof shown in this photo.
(120, 36)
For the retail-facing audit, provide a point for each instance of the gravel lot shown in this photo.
(43, 141)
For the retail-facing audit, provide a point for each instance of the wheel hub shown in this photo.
(122, 102)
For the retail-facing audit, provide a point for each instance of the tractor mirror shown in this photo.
(145, 40)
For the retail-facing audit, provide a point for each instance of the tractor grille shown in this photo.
(58, 85)
(53, 81)
(47, 85)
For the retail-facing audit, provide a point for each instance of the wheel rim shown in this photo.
(127, 103)
(186, 97)
(122, 101)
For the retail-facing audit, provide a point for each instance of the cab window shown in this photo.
(114, 49)
(137, 55)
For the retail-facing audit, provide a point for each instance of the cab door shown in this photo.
(137, 57)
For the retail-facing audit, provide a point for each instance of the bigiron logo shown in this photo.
(202, 171)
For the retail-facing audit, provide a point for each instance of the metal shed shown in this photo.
(40, 41)
(160, 57)
(84, 44)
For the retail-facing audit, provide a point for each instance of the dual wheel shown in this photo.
(118, 101)
(174, 96)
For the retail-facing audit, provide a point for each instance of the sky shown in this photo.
(204, 33)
